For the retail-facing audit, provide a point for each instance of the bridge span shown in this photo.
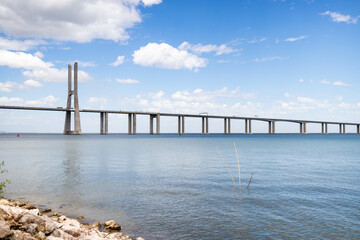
(104, 126)
(181, 120)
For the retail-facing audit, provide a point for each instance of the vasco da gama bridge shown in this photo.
(104, 126)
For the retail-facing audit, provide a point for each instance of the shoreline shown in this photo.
(21, 220)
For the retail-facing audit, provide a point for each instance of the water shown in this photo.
(171, 187)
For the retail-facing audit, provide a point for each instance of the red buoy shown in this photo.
(18, 135)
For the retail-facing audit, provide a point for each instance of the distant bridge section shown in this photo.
(181, 120)
(104, 123)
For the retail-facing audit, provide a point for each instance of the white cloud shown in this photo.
(338, 17)
(200, 48)
(293, 39)
(265, 59)
(194, 101)
(54, 75)
(47, 101)
(200, 95)
(119, 61)
(22, 60)
(39, 54)
(81, 21)
(324, 81)
(165, 56)
(151, 2)
(257, 40)
(127, 81)
(340, 83)
(98, 101)
(336, 83)
(301, 80)
(18, 45)
(8, 86)
(32, 83)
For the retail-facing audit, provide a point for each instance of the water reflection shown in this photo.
(71, 178)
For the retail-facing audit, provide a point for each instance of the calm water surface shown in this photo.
(171, 187)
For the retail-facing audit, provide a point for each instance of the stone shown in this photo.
(111, 225)
(44, 223)
(29, 228)
(5, 232)
(96, 225)
(47, 210)
(61, 234)
(19, 235)
(40, 236)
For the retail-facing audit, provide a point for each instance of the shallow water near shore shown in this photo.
(176, 187)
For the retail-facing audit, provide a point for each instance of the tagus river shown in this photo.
(177, 187)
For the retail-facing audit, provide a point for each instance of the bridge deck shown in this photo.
(173, 115)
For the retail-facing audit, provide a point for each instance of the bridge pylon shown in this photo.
(67, 127)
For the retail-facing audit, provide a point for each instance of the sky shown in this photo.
(266, 58)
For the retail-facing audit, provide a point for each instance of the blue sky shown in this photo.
(281, 59)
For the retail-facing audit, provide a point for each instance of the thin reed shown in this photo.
(250, 180)
(237, 157)
(226, 167)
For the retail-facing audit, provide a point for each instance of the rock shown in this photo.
(71, 230)
(47, 210)
(96, 225)
(61, 234)
(62, 219)
(111, 225)
(40, 236)
(14, 225)
(29, 228)
(5, 232)
(44, 223)
(19, 235)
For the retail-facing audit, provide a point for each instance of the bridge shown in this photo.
(104, 126)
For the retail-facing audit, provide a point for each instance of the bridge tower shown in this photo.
(67, 127)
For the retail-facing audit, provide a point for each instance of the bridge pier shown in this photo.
(358, 129)
(202, 125)
(101, 123)
(250, 132)
(104, 123)
(134, 123)
(207, 125)
(273, 127)
(322, 128)
(152, 124)
(344, 131)
(129, 124)
(77, 126)
(269, 127)
(157, 124)
(301, 128)
(225, 126)
(247, 126)
(183, 124)
(229, 125)
(340, 129)
(179, 125)
(326, 128)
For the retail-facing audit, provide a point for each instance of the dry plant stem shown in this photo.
(237, 157)
(250, 180)
(226, 167)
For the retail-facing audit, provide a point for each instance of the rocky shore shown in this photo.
(20, 220)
